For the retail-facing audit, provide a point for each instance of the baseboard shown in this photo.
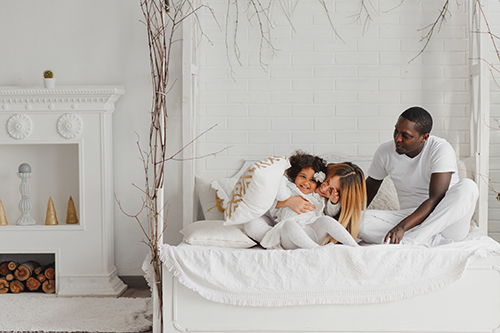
(90, 285)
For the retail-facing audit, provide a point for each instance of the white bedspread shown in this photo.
(332, 274)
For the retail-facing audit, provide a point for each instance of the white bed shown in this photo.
(471, 304)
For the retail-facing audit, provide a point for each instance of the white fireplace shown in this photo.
(65, 134)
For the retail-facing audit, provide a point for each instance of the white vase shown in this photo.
(49, 83)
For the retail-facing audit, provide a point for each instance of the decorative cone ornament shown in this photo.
(51, 216)
(71, 217)
(3, 217)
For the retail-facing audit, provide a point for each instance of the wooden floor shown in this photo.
(137, 287)
(137, 292)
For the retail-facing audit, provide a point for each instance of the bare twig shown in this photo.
(192, 141)
(330, 19)
(201, 156)
(493, 37)
(395, 7)
(363, 16)
(438, 22)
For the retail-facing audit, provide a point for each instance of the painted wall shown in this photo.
(493, 12)
(102, 43)
(324, 95)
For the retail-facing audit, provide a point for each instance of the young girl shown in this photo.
(304, 227)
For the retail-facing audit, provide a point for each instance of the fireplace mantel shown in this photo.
(70, 98)
(37, 119)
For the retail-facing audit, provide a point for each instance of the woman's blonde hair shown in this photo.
(352, 195)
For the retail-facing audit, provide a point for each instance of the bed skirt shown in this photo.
(327, 275)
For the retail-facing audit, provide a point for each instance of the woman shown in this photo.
(345, 183)
(344, 187)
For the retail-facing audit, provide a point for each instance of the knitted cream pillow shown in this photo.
(255, 190)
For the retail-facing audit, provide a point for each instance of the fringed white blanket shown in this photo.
(332, 274)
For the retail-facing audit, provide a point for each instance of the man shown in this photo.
(436, 206)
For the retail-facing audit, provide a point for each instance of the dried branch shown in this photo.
(363, 16)
(135, 216)
(330, 19)
(493, 37)
(393, 8)
(287, 9)
(438, 22)
(201, 156)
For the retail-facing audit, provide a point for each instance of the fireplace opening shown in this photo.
(27, 272)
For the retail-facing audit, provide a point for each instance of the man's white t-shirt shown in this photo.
(412, 176)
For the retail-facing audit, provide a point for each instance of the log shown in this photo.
(49, 286)
(33, 284)
(4, 268)
(37, 270)
(4, 286)
(12, 265)
(24, 271)
(9, 277)
(16, 286)
(40, 277)
(50, 272)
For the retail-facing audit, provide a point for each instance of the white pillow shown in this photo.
(386, 198)
(215, 233)
(254, 193)
(207, 195)
(224, 186)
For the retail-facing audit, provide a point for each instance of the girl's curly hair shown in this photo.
(301, 160)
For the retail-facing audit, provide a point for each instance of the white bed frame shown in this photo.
(471, 304)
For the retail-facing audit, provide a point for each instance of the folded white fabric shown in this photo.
(215, 233)
(332, 274)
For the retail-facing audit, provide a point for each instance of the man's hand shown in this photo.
(395, 235)
(298, 204)
(437, 189)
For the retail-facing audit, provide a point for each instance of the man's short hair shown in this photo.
(419, 116)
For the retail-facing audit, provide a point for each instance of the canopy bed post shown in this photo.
(480, 111)
(189, 88)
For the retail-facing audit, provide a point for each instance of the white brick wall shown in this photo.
(493, 12)
(323, 95)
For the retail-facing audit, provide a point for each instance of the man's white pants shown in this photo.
(450, 219)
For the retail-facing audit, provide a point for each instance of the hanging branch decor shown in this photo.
(162, 19)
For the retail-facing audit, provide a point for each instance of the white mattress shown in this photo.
(333, 274)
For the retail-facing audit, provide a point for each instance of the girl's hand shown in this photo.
(334, 196)
(298, 204)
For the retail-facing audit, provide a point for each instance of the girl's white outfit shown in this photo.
(293, 230)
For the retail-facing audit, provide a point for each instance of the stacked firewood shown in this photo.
(29, 276)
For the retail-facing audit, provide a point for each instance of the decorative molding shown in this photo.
(69, 126)
(91, 98)
(98, 285)
(19, 126)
